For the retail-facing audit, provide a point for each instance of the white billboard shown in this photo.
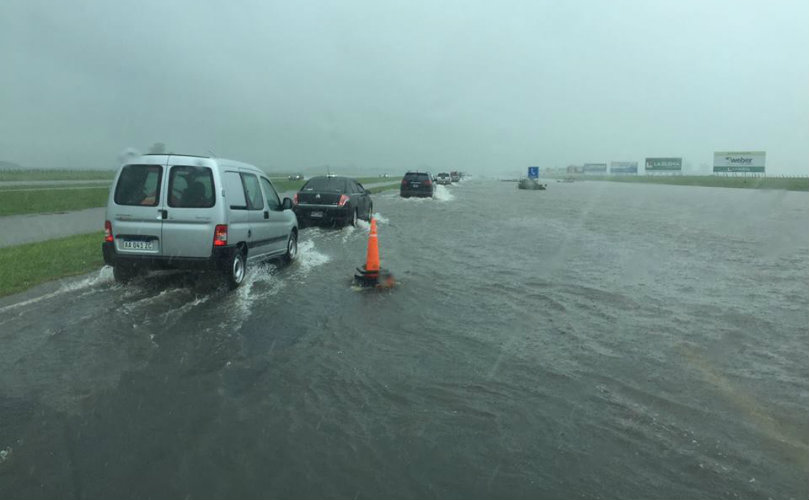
(739, 161)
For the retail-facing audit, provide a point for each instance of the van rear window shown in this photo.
(139, 185)
(191, 187)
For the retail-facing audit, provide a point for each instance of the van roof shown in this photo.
(153, 158)
(174, 154)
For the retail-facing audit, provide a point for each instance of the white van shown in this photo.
(194, 212)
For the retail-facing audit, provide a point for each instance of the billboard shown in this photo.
(594, 168)
(664, 164)
(623, 167)
(533, 172)
(739, 161)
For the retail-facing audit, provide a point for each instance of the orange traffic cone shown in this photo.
(371, 275)
(372, 258)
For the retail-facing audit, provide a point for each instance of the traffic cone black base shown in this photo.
(373, 279)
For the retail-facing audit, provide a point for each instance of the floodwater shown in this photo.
(595, 340)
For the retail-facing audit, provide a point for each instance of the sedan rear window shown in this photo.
(139, 185)
(325, 184)
(191, 187)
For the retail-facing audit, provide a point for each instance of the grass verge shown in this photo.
(283, 186)
(54, 174)
(386, 187)
(790, 184)
(51, 200)
(44, 186)
(23, 266)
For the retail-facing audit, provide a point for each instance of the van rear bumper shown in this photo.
(219, 259)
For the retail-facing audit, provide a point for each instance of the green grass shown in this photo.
(282, 186)
(285, 185)
(386, 187)
(791, 184)
(55, 175)
(24, 266)
(17, 200)
(45, 185)
(51, 200)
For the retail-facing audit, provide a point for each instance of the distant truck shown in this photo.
(455, 176)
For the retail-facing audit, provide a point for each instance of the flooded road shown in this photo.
(596, 340)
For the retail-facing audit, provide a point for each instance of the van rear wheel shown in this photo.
(235, 270)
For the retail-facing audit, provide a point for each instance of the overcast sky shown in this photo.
(482, 86)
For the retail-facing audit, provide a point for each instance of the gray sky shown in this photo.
(480, 86)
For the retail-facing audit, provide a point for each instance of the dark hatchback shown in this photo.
(332, 200)
(417, 184)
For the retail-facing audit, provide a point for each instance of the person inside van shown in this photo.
(150, 196)
(194, 195)
(138, 186)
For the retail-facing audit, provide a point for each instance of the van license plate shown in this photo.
(415, 184)
(316, 214)
(137, 245)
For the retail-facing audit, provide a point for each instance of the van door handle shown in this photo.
(162, 214)
(266, 214)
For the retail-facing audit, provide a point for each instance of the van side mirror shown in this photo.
(286, 204)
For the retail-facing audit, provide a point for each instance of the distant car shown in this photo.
(296, 177)
(443, 178)
(332, 200)
(417, 184)
(455, 176)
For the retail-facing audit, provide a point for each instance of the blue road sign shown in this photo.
(533, 172)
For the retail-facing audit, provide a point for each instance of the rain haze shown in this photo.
(523, 250)
(487, 87)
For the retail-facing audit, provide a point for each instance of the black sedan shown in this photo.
(332, 200)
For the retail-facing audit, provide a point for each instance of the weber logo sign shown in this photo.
(739, 161)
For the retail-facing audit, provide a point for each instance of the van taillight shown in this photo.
(108, 232)
(343, 200)
(220, 235)
(295, 199)
(428, 182)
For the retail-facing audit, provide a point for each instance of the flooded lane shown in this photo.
(593, 340)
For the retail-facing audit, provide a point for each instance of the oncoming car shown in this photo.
(332, 200)
(193, 212)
